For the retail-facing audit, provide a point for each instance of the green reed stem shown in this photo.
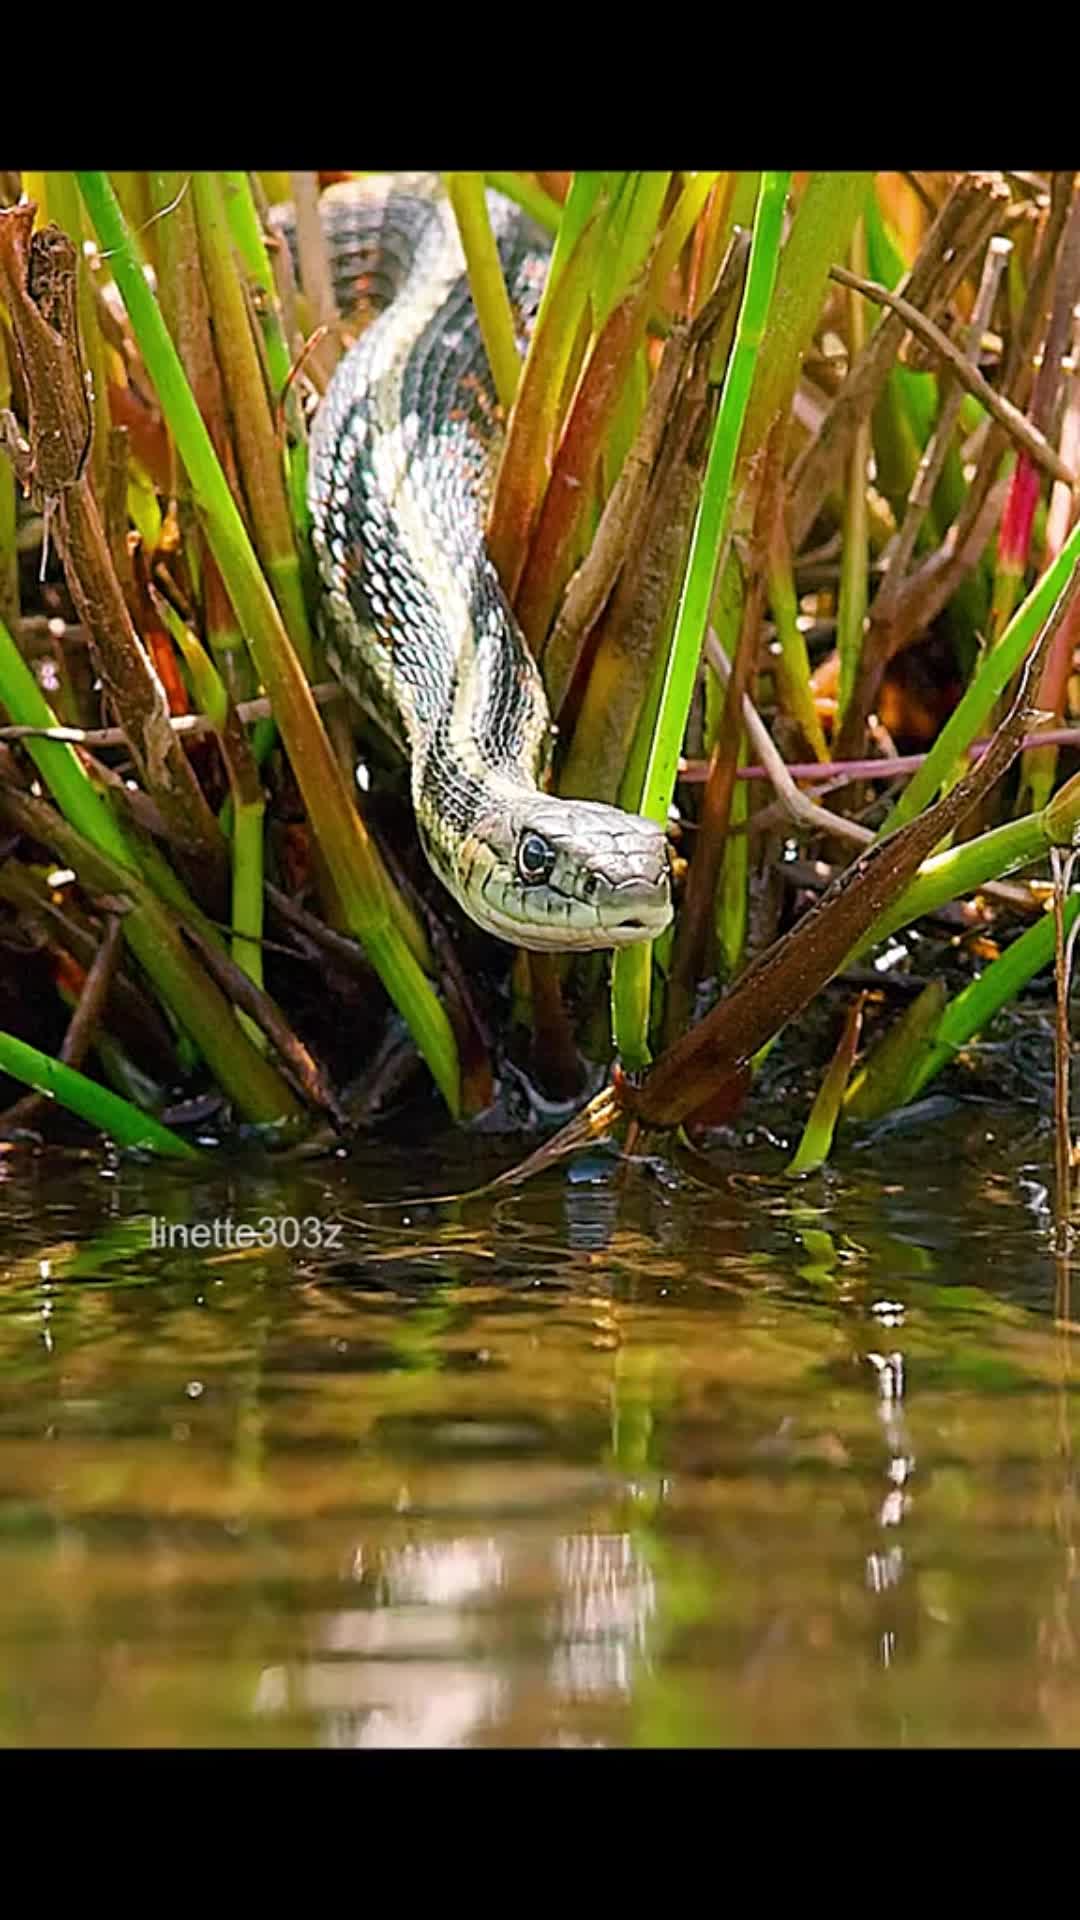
(152, 929)
(793, 662)
(816, 1144)
(129, 1081)
(681, 223)
(628, 241)
(707, 540)
(706, 547)
(891, 1073)
(58, 764)
(490, 298)
(73, 1090)
(589, 191)
(967, 867)
(246, 814)
(851, 604)
(996, 670)
(253, 427)
(529, 195)
(976, 1005)
(247, 237)
(821, 230)
(349, 853)
(731, 911)
(247, 888)
(533, 429)
(731, 901)
(252, 1084)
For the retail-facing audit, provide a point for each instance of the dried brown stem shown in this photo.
(349, 952)
(306, 1072)
(552, 545)
(79, 1037)
(937, 447)
(183, 723)
(798, 807)
(692, 933)
(925, 591)
(1048, 380)
(37, 281)
(186, 306)
(553, 1051)
(248, 1079)
(591, 585)
(311, 247)
(1016, 424)
(965, 221)
(897, 612)
(638, 615)
(315, 275)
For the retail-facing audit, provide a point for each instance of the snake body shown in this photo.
(403, 451)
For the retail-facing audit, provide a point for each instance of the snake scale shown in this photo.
(403, 453)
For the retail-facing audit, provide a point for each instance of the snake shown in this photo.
(403, 452)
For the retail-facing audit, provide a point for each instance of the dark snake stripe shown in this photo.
(403, 452)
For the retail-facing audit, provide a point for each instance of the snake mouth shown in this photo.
(625, 933)
(643, 916)
(556, 934)
(646, 919)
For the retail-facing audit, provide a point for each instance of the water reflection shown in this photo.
(606, 1606)
(628, 1458)
(388, 1674)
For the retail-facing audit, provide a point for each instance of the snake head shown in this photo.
(559, 875)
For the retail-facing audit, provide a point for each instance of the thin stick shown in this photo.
(805, 812)
(315, 276)
(1015, 423)
(972, 209)
(893, 768)
(261, 709)
(937, 447)
(246, 993)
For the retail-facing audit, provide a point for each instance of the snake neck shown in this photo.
(454, 811)
(403, 451)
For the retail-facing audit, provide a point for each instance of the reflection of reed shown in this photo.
(1062, 865)
(425, 1665)
(1057, 1638)
(885, 1565)
(608, 1601)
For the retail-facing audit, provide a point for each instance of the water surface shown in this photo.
(625, 1458)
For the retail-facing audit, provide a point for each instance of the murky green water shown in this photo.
(622, 1459)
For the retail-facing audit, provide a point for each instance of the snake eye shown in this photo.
(536, 858)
